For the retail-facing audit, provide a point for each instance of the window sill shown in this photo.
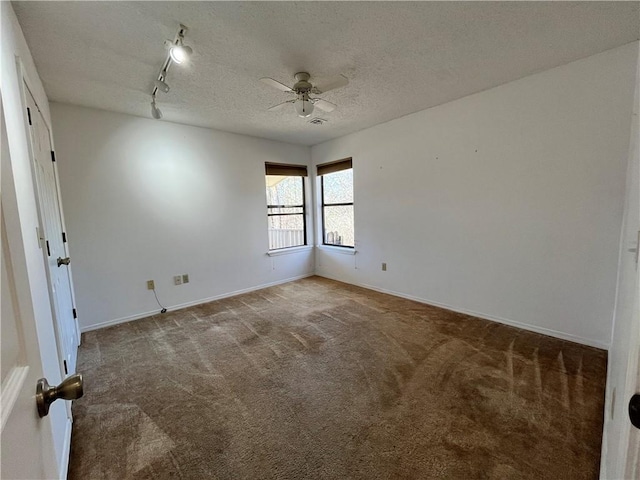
(342, 250)
(289, 250)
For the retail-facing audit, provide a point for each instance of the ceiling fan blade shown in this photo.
(324, 105)
(280, 105)
(338, 82)
(276, 84)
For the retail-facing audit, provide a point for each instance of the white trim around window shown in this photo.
(289, 250)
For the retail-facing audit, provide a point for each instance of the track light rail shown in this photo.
(177, 53)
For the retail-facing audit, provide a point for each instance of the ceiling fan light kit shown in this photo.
(178, 53)
(303, 103)
(303, 106)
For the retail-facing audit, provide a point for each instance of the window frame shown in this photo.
(338, 204)
(293, 168)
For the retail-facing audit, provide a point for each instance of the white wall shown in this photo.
(147, 199)
(21, 217)
(623, 355)
(506, 204)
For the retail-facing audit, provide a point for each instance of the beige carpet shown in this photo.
(317, 379)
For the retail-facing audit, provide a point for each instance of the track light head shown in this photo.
(155, 111)
(161, 85)
(180, 53)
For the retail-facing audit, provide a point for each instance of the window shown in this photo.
(285, 205)
(336, 185)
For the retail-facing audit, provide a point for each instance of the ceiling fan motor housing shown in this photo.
(302, 85)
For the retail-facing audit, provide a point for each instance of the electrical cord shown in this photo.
(164, 309)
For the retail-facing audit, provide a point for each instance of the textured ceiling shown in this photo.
(400, 57)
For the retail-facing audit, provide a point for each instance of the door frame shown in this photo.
(27, 91)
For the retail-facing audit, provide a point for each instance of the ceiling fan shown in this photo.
(303, 103)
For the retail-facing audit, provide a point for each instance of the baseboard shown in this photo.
(505, 321)
(63, 468)
(116, 321)
(525, 326)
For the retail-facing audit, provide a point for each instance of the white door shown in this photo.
(28, 448)
(633, 454)
(620, 455)
(631, 307)
(54, 239)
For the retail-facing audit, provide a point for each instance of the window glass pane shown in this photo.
(284, 190)
(338, 187)
(286, 231)
(285, 221)
(338, 225)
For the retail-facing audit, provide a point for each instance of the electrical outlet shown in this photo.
(177, 280)
(384, 266)
(185, 278)
(151, 285)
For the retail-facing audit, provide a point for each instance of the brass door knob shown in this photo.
(69, 389)
(63, 261)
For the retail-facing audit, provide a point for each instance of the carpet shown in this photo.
(317, 379)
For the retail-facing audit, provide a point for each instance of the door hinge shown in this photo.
(29, 115)
(48, 249)
(64, 237)
(66, 371)
(75, 313)
(53, 156)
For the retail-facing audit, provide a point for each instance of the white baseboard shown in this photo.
(505, 321)
(63, 468)
(525, 326)
(116, 321)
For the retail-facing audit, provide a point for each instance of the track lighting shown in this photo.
(155, 111)
(178, 53)
(162, 86)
